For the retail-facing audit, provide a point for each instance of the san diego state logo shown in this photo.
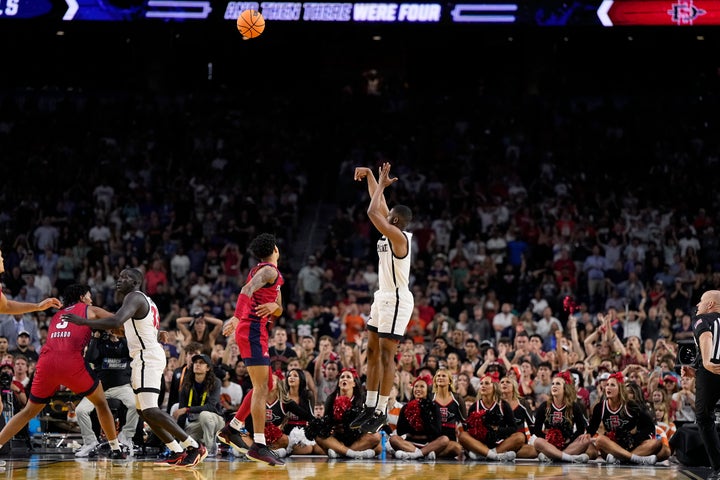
(685, 12)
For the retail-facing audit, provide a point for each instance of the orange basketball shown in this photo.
(250, 23)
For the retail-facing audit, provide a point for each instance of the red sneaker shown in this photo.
(193, 456)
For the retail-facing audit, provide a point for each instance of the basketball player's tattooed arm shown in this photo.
(262, 277)
(271, 308)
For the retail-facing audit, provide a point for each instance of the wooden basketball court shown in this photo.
(66, 466)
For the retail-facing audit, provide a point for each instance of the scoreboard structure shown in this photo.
(600, 13)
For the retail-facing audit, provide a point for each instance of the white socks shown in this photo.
(189, 442)
(371, 398)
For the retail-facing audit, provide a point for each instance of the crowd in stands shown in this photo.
(571, 234)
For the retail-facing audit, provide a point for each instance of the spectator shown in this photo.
(199, 408)
(200, 328)
(309, 282)
(155, 276)
(24, 347)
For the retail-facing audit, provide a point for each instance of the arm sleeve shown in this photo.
(299, 411)
(537, 428)
(580, 421)
(646, 424)
(403, 426)
(462, 408)
(595, 419)
(701, 324)
(508, 426)
(433, 426)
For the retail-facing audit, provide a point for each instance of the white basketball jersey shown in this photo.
(142, 333)
(393, 272)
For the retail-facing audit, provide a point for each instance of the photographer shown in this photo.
(14, 396)
(111, 360)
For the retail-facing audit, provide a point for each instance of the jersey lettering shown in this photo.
(155, 316)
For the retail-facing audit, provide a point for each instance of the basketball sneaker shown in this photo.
(173, 458)
(233, 439)
(373, 424)
(362, 418)
(193, 456)
(261, 453)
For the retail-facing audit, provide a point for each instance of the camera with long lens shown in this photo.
(687, 352)
(5, 380)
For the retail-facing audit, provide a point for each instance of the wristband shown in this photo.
(242, 308)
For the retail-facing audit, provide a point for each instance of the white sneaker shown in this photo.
(582, 458)
(369, 453)
(332, 453)
(473, 456)
(401, 454)
(544, 458)
(85, 450)
(649, 460)
(281, 452)
(506, 457)
(430, 456)
(610, 459)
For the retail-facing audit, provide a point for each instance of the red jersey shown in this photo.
(67, 337)
(267, 293)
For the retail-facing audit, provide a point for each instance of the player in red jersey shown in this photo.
(61, 363)
(11, 307)
(259, 299)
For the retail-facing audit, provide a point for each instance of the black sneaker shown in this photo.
(193, 456)
(232, 438)
(172, 459)
(261, 453)
(374, 423)
(362, 418)
(117, 455)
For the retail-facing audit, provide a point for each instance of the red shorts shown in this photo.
(54, 369)
(252, 341)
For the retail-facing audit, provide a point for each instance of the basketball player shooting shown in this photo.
(393, 302)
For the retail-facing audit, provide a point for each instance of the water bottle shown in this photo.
(383, 441)
(34, 426)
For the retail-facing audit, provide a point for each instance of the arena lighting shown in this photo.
(483, 13)
(178, 9)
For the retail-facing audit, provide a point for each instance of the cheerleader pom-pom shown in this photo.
(297, 437)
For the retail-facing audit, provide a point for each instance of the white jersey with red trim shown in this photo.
(142, 333)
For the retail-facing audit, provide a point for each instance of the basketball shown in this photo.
(250, 23)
